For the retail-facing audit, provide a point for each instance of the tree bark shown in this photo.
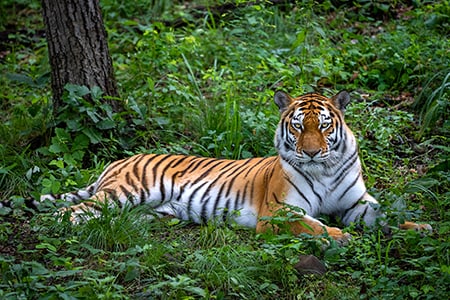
(78, 48)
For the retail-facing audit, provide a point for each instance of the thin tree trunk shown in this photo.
(78, 48)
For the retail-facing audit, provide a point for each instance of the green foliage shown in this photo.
(433, 101)
(85, 122)
(116, 229)
(206, 88)
(434, 187)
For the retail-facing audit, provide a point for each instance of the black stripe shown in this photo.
(90, 190)
(268, 163)
(144, 172)
(344, 171)
(276, 198)
(216, 202)
(156, 165)
(125, 163)
(348, 188)
(212, 168)
(307, 103)
(239, 166)
(265, 166)
(229, 167)
(203, 214)
(143, 197)
(343, 134)
(182, 188)
(341, 137)
(298, 191)
(192, 166)
(76, 197)
(310, 183)
(137, 165)
(182, 159)
(354, 205)
(111, 194)
(268, 175)
(129, 195)
(237, 200)
(240, 169)
(252, 191)
(108, 176)
(196, 163)
(105, 173)
(163, 172)
(175, 174)
(191, 198)
(361, 216)
(254, 165)
(226, 211)
(131, 183)
(244, 194)
(106, 182)
(288, 146)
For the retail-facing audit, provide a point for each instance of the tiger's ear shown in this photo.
(341, 100)
(282, 100)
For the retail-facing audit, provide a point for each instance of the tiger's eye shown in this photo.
(297, 125)
(324, 125)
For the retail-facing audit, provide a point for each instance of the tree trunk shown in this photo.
(78, 48)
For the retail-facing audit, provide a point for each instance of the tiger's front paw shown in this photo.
(423, 228)
(340, 237)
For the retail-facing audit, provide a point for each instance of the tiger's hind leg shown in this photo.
(88, 209)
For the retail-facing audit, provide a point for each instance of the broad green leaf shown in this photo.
(62, 134)
(57, 162)
(96, 93)
(106, 124)
(57, 148)
(77, 90)
(93, 135)
(46, 246)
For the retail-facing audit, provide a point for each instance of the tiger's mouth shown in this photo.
(315, 156)
(305, 159)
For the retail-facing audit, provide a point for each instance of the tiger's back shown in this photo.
(188, 187)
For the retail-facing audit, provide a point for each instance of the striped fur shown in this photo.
(317, 170)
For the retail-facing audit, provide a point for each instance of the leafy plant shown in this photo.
(433, 101)
(116, 229)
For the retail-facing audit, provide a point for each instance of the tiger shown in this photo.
(317, 170)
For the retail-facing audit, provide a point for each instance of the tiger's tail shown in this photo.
(8, 205)
(73, 197)
(36, 205)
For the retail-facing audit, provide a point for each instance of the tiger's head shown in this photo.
(312, 128)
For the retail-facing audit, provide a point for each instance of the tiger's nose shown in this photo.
(312, 153)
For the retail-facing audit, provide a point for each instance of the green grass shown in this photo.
(206, 89)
